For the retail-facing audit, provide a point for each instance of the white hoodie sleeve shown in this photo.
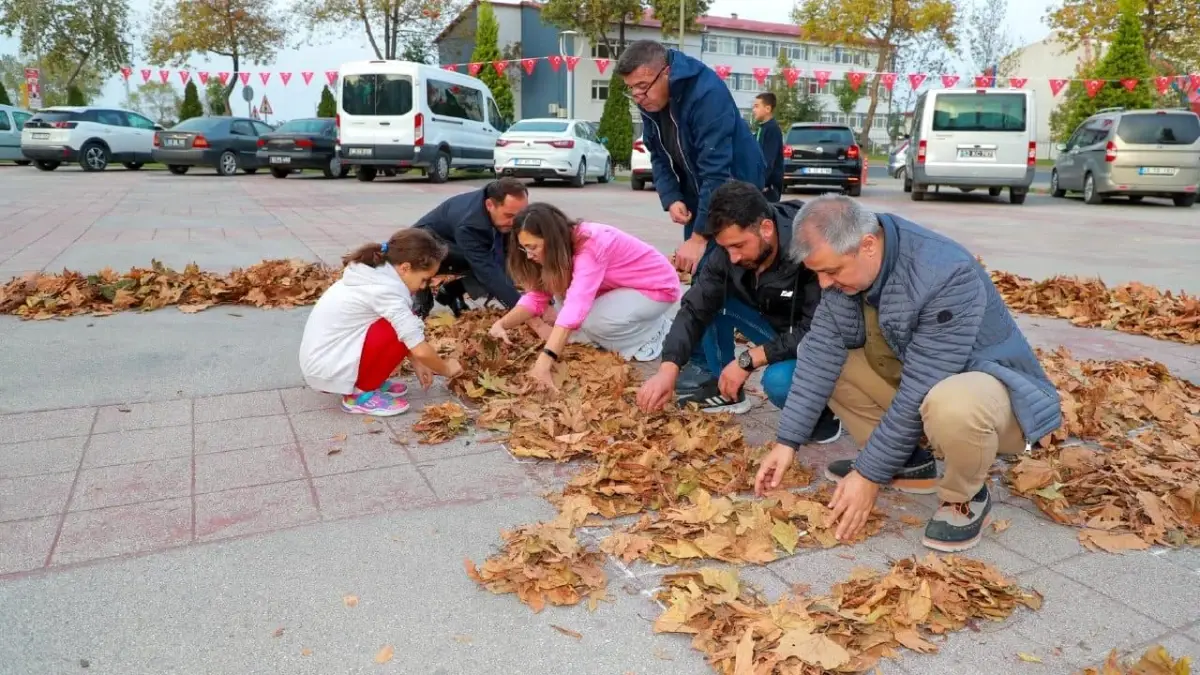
(396, 307)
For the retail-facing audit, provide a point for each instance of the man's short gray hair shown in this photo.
(837, 219)
(648, 53)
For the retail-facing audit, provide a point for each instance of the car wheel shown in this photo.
(227, 163)
(854, 190)
(607, 176)
(439, 171)
(93, 157)
(333, 169)
(995, 191)
(365, 174)
(1184, 201)
(918, 193)
(45, 165)
(1135, 199)
(900, 174)
(23, 162)
(133, 166)
(251, 171)
(1056, 191)
(280, 173)
(638, 184)
(539, 181)
(178, 169)
(907, 183)
(580, 178)
(1090, 195)
(1016, 196)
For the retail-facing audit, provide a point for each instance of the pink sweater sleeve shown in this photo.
(586, 277)
(534, 301)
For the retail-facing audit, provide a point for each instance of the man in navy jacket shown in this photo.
(697, 140)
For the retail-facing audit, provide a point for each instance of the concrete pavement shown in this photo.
(168, 501)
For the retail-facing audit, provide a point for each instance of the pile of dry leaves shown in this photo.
(862, 620)
(1129, 308)
(442, 422)
(1126, 464)
(1156, 661)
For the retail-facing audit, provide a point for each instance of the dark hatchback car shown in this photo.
(302, 144)
(224, 143)
(823, 155)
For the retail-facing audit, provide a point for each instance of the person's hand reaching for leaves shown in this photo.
(424, 375)
(500, 333)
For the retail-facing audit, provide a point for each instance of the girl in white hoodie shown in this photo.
(363, 326)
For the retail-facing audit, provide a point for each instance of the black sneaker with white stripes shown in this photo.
(708, 397)
(828, 429)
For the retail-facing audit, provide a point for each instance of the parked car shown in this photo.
(91, 136)
(302, 144)
(823, 155)
(12, 119)
(1131, 153)
(973, 139)
(225, 143)
(553, 148)
(897, 158)
(641, 173)
(446, 120)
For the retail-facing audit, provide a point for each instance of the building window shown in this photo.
(600, 51)
(600, 90)
(822, 55)
(813, 89)
(795, 52)
(716, 44)
(746, 82)
(760, 48)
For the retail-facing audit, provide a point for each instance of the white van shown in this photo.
(397, 115)
(973, 138)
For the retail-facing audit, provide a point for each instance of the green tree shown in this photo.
(487, 50)
(418, 51)
(328, 105)
(667, 12)
(53, 78)
(1124, 59)
(244, 31)
(892, 27)
(191, 102)
(75, 96)
(594, 19)
(391, 26)
(4, 99)
(159, 101)
(616, 122)
(214, 97)
(792, 104)
(847, 96)
(73, 35)
(1169, 27)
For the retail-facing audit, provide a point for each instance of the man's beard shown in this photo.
(766, 248)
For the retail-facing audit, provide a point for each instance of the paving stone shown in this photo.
(131, 416)
(323, 425)
(1187, 558)
(1194, 634)
(1080, 621)
(132, 483)
(37, 426)
(139, 445)
(34, 496)
(304, 399)
(395, 488)
(236, 406)
(1178, 645)
(120, 530)
(219, 471)
(248, 432)
(355, 453)
(25, 544)
(472, 443)
(820, 569)
(475, 477)
(262, 508)
(1034, 537)
(966, 652)
(1144, 581)
(908, 544)
(31, 458)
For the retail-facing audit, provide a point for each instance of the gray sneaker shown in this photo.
(958, 527)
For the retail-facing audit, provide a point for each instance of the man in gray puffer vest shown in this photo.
(911, 338)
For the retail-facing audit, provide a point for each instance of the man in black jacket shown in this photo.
(474, 225)
(770, 139)
(748, 283)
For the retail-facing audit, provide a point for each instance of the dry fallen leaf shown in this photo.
(1155, 661)
(1001, 525)
(339, 438)
(912, 520)
(333, 450)
(442, 422)
(568, 632)
(385, 654)
(350, 600)
(1029, 658)
(278, 632)
(305, 651)
(464, 639)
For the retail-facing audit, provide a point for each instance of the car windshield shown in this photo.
(309, 126)
(979, 112)
(820, 135)
(199, 124)
(539, 126)
(56, 115)
(1159, 129)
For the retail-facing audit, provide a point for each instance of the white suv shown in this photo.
(91, 136)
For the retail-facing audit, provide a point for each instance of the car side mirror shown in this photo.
(1061, 147)
(604, 141)
(159, 127)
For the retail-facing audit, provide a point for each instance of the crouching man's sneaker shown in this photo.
(708, 396)
(958, 527)
(918, 477)
(828, 429)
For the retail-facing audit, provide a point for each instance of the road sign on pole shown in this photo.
(265, 107)
(33, 88)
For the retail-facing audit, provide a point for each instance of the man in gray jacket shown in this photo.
(911, 338)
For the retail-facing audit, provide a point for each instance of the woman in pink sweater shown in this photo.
(617, 291)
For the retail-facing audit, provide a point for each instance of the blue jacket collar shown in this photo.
(891, 251)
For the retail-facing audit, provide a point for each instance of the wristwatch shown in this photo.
(746, 361)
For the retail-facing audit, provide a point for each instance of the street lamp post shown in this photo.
(562, 51)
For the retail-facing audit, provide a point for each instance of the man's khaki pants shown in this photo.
(968, 418)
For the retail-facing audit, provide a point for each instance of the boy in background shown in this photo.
(770, 140)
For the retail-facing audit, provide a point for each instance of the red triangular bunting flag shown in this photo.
(474, 68)
(1194, 80)
(331, 77)
(915, 80)
(822, 77)
(888, 80)
(982, 81)
(555, 62)
(126, 71)
(224, 77)
(1129, 83)
(164, 75)
(723, 71)
(529, 65)
(791, 76)
(286, 77)
(601, 65)
(948, 81)
(203, 77)
(1162, 84)
(184, 76)
(451, 67)
(146, 72)
(1017, 82)
(1093, 87)
(307, 75)
(245, 78)
(500, 66)
(760, 75)
(855, 79)
(265, 77)
(1056, 86)
(572, 61)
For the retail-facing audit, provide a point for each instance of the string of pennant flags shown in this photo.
(854, 79)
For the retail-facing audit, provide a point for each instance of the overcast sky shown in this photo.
(296, 100)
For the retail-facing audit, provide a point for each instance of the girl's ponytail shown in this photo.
(373, 255)
(416, 247)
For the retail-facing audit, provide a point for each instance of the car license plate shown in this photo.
(976, 153)
(281, 160)
(41, 137)
(529, 162)
(1156, 171)
(816, 170)
(359, 152)
(174, 143)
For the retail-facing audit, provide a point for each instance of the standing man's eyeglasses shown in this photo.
(639, 90)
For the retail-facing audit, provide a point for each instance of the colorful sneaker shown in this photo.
(958, 527)
(394, 388)
(918, 477)
(708, 396)
(374, 403)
